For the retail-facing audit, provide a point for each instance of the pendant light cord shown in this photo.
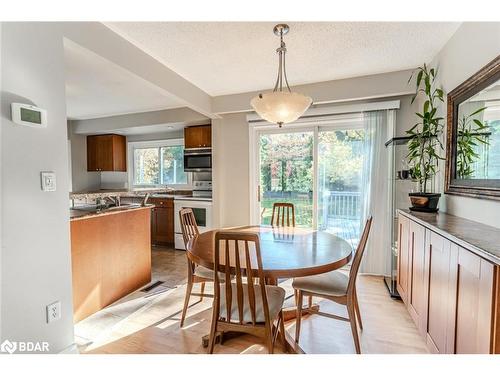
(281, 66)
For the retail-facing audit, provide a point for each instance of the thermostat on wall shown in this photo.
(29, 115)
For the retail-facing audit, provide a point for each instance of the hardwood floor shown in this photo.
(148, 322)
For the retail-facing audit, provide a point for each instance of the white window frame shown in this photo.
(339, 122)
(315, 120)
(132, 146)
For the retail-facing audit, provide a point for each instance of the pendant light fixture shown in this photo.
(282, 105)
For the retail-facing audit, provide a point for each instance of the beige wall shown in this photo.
(231, 170)
(473, 46)
(81, 180)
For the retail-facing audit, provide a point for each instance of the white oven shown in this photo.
(202, 209)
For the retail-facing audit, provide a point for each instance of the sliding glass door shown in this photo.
(318, 169)
(286, 174)
(340, 165)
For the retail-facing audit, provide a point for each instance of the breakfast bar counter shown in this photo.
(110, 257)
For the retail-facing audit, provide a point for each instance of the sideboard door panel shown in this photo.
(439, 274)
(403, 256)
(474, 304)
(417, 296)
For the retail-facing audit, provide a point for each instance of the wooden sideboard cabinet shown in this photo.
(451, 292)
(106, 153)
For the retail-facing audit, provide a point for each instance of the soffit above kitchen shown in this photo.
(96, 87)
(224, 58)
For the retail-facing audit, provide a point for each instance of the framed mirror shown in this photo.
(473, 135)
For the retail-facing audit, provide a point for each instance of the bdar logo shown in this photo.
(8, 347)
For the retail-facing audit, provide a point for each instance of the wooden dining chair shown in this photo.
(280, 210)
(196, 273)
(337, 287)
(244, 305)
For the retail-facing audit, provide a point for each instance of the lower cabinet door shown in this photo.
(442, 292)
(162, 226)
(417, 294)
(403, 257)
(475, 282)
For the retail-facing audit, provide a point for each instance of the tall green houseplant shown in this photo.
(425, 135)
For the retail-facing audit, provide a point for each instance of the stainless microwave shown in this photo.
(198, 160)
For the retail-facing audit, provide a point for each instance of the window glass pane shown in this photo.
(172, 159)
(286, 174)
(340, 166)
(146, 166)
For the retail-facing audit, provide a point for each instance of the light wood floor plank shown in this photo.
(149, 322)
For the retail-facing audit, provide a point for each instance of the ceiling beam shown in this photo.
(342, 90)
(101, 40)
(110, 124)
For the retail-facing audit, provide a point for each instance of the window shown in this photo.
(158, 163)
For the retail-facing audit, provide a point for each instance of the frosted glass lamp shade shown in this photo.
(281, 107)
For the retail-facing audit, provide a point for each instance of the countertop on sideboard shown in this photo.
(481, 239)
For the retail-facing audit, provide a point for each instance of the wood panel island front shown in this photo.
(110, 256)
(449, 279)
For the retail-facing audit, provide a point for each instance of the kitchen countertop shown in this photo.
(481, 239)
(101, 193)
(75, 214)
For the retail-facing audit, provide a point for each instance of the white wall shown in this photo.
(36, 266)
(473, 46)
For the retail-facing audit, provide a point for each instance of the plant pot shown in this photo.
(424, 202)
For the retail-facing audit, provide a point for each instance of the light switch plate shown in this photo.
(48, 180)
(54, 311)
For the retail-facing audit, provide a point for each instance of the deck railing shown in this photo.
(342, 204)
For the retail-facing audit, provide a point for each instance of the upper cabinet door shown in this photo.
(403, 256)
(92, 164)
(198, 136)
(106, 153)
(474, 304)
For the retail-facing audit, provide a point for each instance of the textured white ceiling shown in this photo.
(228, 57)
(96, 87)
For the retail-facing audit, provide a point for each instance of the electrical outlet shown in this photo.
(53, 311)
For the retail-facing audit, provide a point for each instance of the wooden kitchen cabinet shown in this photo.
(106, 153)
(198, 136)
(162, 221)
(110, 258)
(403, 256)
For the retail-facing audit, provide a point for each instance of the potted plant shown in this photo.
(471, 132)
(425, 140)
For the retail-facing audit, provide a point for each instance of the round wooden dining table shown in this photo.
(286, 252)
